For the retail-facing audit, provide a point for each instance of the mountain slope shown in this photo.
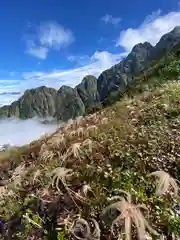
(140, 58)
(44, 102)
(81, 169)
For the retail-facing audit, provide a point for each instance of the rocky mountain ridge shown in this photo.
(91, 92)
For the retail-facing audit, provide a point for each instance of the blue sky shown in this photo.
(57, 42)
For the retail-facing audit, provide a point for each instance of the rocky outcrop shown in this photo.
(4, 111)
(88, 92)
(35, 102)
(118, 77)
(68, 104)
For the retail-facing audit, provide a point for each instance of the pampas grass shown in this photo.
(130, 214)
(73, 151)
(18, 175)
(82, 230)
(104, 120)
(46, 154)
(88, 143)
(61, 174)
(58, 141)
(92, 129)
(165, 183)
(36, 175)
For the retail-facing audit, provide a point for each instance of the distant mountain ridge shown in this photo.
(10, 93)
(70, 102)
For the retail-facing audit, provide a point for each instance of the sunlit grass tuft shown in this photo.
(165, 183)
(130, 214)
(61, 175)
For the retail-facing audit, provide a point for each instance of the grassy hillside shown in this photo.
(93, 178)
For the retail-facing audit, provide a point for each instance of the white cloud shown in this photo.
(98, 62)
(8, 98)
(40, 52)
(151, 30)
(80, 60)
(55, 36)
(151, 17)
(19, 132)
(110, 19)
(48, 36)
(10, 90)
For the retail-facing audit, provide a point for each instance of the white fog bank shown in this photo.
(17, 132)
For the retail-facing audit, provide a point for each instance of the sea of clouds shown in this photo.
(16, 132)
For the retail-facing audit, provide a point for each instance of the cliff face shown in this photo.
(121, 74)
(35, 102)
(88, 92)
(69, 103)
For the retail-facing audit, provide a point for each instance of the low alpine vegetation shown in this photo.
(111, 175)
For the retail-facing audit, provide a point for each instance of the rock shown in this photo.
(4, 111)
(88, 92)
(68, 104)
(118, 77)
(35, 102)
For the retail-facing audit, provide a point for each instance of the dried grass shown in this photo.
(82, 230)
(46, 154)
(58, 141)
(92, 129)
(104, 120)
(61, 174)
(130, 214)
(18, 175)
(36, 175)
(165, 183)
(73, 151)
(80, 132)
(88, 143)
